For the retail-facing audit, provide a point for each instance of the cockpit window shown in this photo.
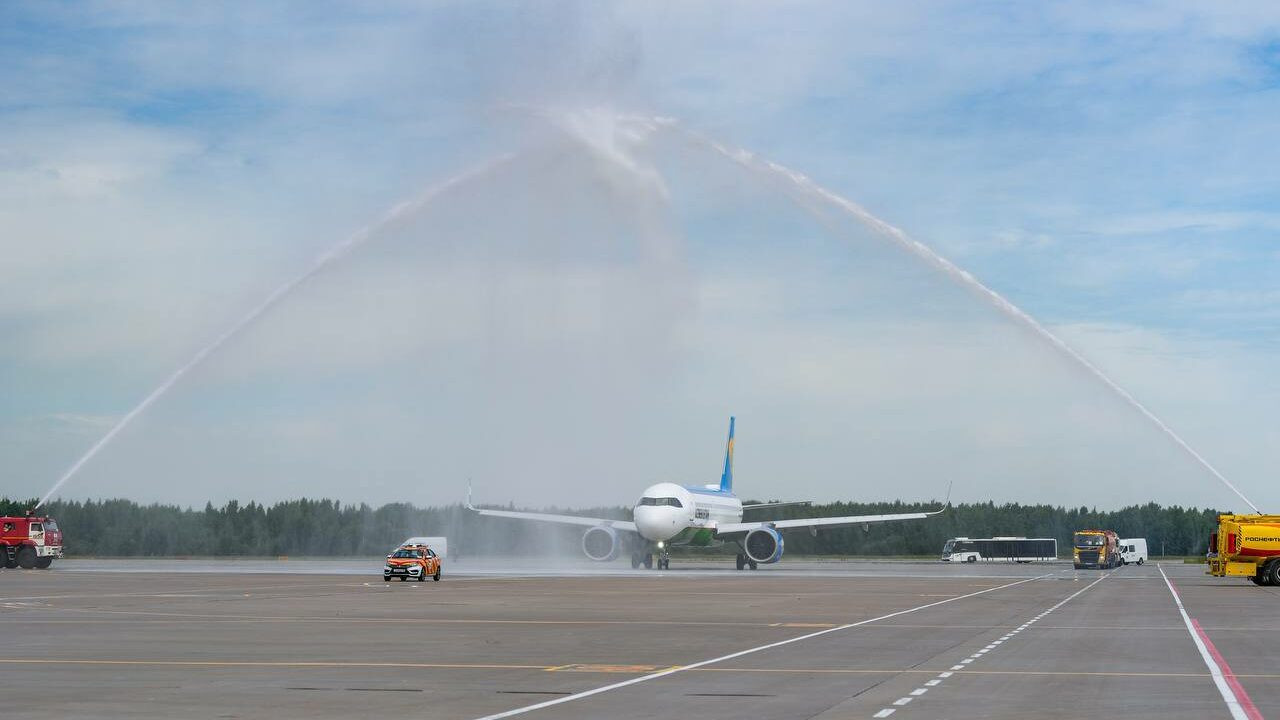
(667, 501)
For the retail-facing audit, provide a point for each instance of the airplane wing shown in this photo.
(727, 529)
(812, 524)
(552, 518)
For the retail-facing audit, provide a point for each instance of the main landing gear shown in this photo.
(744, 561)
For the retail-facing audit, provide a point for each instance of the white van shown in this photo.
(1133, 550)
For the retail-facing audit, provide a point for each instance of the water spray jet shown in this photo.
(396, 214)
(750, 161)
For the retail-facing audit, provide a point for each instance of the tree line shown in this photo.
(306, 527)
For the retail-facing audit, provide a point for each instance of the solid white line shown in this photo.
(740, 653)
(1229, 697)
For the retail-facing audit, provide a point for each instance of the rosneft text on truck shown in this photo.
(1246, 546)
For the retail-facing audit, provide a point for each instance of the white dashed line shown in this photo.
(731, 656)
(886, 712)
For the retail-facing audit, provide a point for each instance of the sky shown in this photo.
(582, 288)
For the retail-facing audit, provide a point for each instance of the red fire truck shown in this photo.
(29, 542)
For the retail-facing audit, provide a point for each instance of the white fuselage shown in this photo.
(673, 514)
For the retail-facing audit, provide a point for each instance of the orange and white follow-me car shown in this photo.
(412, 561)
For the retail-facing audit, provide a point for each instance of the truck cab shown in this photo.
(1095, 549)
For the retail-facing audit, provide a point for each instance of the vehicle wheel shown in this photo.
(422, 577)
(10, 561)
(1139, 561)
(26, 558)
(742, 561)
(436, 577)
(1272, 573)
(971, 559)
(752, 563)
(44, 563)
(635, 560)
(648, 561)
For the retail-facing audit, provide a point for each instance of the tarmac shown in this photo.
(245, 639)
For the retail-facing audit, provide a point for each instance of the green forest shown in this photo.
(319, 528)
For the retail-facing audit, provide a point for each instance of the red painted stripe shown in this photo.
(1246, 703)
(1257, 552)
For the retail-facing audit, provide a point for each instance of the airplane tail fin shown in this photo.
(726, 480)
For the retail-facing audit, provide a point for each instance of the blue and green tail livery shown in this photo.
(726, 480)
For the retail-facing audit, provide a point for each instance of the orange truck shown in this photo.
(1096, 549)
(1246, 546)
(32, 541)
(412, 561)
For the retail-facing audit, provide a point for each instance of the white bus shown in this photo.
(1000, 549)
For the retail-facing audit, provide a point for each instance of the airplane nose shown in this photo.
(655, 523)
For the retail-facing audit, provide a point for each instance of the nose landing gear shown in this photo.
(646, 559)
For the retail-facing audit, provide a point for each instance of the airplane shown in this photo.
(670, 515)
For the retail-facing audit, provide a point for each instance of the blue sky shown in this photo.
(582, 322)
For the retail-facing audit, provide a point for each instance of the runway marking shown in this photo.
(979, 654)
(884, 713)
(269, 663)
(740, 653)
(635, 669)
(186, 617)
(1233, 693)
(579, 667)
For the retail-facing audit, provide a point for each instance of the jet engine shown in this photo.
(600, 543)
(764, 545)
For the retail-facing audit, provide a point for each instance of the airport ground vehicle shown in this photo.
(1133, 550)
(1096, 549)
(28, 542)
(412, 561)
(1246, 546)
(1000, 549)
